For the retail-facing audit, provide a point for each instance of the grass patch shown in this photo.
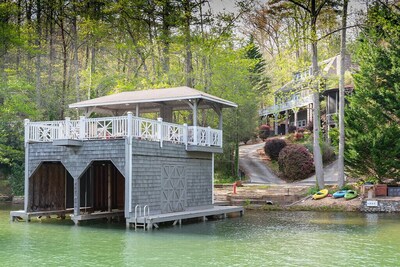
(221, 179)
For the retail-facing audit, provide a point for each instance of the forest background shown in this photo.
(53, 53)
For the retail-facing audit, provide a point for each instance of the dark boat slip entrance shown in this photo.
(102, 188)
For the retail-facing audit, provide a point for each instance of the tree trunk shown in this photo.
(38, 83)
(165, 35)
(341, 96)
(188, 48)
(319, 169)
(64, 80)
(75, 47)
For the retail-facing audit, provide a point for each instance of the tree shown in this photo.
(341, 96)
(313, 9)
(372, 118)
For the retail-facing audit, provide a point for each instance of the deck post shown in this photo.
(185, 135)
(212, 179)
(195, 122)
(67, 128)
(208, 138)
(82, 127)
(159, 131)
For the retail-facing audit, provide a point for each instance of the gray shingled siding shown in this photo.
(148, 159)
(76, 159)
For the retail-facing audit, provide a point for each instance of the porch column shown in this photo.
(295, 111)
(287, 122)
(276, 123)
(77, 197)
(194, 110)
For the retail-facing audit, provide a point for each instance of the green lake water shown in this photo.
(256, 239)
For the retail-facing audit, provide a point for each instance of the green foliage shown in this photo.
(17, 179)
(295, 162)
(273, 147)
(328, 152)
(373, 117)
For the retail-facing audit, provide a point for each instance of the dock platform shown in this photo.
(150, 221)
(22, 215)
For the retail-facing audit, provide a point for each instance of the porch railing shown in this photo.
(120, 127)
(287, 105)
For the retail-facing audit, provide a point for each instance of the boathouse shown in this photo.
(126, 165)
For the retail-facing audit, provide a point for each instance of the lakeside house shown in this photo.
(147, 171)
(293, 102)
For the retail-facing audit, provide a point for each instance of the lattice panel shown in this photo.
(173, 186)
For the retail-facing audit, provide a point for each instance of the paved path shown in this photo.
(255, 169)
(258, 173)
(331, 175)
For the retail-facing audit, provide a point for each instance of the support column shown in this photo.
(77, 197)
(287, 122)
(26, 184)
(109, 203)
(295, 111)
(276, 123)
(212, 179)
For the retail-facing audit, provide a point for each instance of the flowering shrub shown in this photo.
(264, 131)
(295, 162)
(273, 146)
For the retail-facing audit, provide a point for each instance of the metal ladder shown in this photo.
(138, 213)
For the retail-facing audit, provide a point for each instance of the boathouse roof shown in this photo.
(151, 100)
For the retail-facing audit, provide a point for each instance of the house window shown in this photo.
(301, 123)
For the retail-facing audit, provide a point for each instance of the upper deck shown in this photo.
(121, 127)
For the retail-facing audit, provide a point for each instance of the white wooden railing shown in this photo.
(297, 103)
(118, 127)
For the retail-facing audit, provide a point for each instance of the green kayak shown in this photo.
(350, 194)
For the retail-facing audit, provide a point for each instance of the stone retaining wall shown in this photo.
(380, 205)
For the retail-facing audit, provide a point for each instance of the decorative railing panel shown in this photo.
(119, 127)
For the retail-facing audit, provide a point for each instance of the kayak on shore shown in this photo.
(350, 194)
(320, 194)
(340, 194)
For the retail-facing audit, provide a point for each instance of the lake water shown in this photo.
(256, 239)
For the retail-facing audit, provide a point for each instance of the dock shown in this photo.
(27, 216)
(151, 221)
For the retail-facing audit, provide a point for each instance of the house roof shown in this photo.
(151, 100)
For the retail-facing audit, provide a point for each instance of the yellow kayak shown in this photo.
(320, 194)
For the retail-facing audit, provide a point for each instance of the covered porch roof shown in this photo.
(153, 100)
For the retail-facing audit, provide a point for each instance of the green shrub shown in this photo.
(295, 162)
(328, 152)
(273, 146)
(17, 180)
